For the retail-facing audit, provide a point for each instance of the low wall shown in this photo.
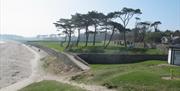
(99, 58)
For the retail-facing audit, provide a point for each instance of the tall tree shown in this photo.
(144, 27)
(105, 25)
(77, 21)
(155, 25)
(68, 26)
(96, 18)
(167, 33)
(135, 30)
(86, 22)
(62, 29)
(115, 26)
(125, 16)
(137, 20)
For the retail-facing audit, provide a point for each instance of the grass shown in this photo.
(99, 48)
(51, 44)
(143, 76)
(49, 85)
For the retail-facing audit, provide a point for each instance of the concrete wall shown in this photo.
(119, 58)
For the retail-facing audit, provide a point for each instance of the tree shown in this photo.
(155, 25)
(136, 29)
(67, 25)
(177, 33)
(125, 16)
(86, 22)
(62, 29)
(137, 19)
(113, 30)
(115, 26)
(105, 25)
(143, 27)
(96, 18)
(77, 21)
(168, 33)
(154, 37)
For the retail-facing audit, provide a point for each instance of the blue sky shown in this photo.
(32, 17)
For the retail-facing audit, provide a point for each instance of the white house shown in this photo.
(164, 40)
(174, 54)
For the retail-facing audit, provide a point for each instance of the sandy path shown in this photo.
(88, 87)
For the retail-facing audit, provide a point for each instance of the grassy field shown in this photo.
(143, 76)
(51, 44)
(99, 48)
(49, 85)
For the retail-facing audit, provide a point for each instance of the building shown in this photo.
(165, 40)
(174, 54)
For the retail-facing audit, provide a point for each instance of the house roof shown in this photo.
(175, 46)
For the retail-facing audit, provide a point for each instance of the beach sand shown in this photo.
(15, 62)
(2, 42)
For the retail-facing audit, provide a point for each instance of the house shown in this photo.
(174, 54)
(165, 40)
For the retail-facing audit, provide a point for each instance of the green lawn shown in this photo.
(143, 76)
(98, 48)
(51, 44)
(49, 85)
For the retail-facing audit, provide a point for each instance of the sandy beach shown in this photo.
(1, 42)
(15, 63)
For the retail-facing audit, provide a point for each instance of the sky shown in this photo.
(32, 17)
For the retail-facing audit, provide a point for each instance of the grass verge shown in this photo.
(49, 85)
(143, 76)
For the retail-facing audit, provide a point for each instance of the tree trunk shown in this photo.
(87, 36)
(124, 35)
(65, 38)
(110, 38)
(69, 40)
(105, 36)
(62, 42)
(78, 39)
(94, 39)
(144, 43)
